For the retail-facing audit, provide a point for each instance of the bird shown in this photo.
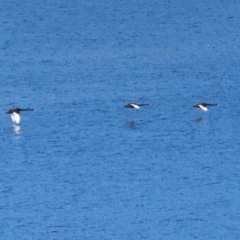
(203, 106)
(136, 105)
(15, 113)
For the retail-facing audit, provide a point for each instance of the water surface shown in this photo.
(83, 167)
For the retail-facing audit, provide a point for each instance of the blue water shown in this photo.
(83, 167)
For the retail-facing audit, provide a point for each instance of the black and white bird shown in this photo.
(15, 113)
(203, 106)
(136, 105)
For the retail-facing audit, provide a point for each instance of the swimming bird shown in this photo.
(15, 113)
(203, 106)
(136, 105)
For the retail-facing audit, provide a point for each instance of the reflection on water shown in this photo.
(131, 124)
(200, 119)
(16, 129)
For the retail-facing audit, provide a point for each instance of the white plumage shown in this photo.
(15, 113)
(15, 117)
(203, 108)
(134, 105)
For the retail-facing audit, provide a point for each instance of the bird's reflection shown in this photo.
(200, 119)
(16, 129)
(132, 124)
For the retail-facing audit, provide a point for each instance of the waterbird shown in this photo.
(15, 113)
(136, 105)
(203, 106)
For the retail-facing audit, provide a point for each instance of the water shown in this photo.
(83, 167)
